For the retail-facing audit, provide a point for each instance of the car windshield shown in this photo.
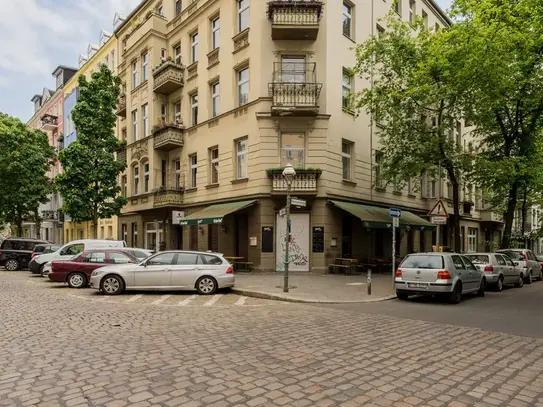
(138, 255)
(478, 258)
(422, 261)
(514, 255)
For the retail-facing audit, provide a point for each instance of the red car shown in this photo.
(77, 271)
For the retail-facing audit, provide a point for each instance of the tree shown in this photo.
(89, 183)
(413, 98)
(25, 159)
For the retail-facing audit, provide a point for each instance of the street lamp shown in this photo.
(289, 174)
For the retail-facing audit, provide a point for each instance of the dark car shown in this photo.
(16, 252)
(77, 271)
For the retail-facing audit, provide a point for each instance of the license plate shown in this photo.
(417, 285)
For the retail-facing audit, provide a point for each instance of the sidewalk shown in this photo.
(315, 288)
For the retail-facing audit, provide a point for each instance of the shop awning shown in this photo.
(215, 213)
(375, 217)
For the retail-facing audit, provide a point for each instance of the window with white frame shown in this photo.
(163, 54)
(243, 15)
(346, 158)
(135, 82)
(347, 19)
(346, 89)
(178, 7)
(177, 167)
(135, 125)
(242, 158)
(411, 187)
(398, 7)
(124, 190)
(378, 174)
(215, 32)
(243, 86)
(163, 112)
(193, 160)
(293, 149)
(472, 239)
(194, 109)
(412, 11)
(293, 69)
(145, 117)
(112, 60)
(145, 66)
(177, 54)
(154, 235)
(214, 166)
(425, 19)
(215, 90)
(136, 175)
(177, 112)
(194, 47)
(146, 177)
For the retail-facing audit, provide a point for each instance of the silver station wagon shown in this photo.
(448, 274)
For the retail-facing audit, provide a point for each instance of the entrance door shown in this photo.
(213, 238)
(193, 238)
(299, 245)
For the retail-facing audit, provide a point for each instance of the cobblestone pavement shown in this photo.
(57, 349)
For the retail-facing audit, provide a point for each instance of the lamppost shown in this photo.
(288, 174)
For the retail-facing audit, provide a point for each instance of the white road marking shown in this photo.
(241, 301)
(213, 300)
(187, 300)
(161, 299)
(134, 298)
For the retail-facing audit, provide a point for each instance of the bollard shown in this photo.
(369, 281)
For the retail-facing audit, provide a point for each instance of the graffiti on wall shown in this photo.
(299, 243)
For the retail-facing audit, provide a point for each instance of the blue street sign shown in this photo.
(395, 212)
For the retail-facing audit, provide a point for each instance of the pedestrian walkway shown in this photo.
(315, 288)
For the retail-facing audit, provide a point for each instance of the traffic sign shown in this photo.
(439, 220)
(396, 222)
(439, 209)
(282, 212)
(395, 212)
(298, 202)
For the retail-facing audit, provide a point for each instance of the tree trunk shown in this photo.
(524, 214)
(19, 224)
(456, 205)
(95, 223)
(37, 219)
(509, 215)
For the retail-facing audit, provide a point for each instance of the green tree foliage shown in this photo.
(25, 159)
(89, 184)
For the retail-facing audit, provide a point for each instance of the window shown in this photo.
(178, 7)
(187, 259)
(145, 110)
(458, 133)
(378, 175)
(207, 259)
(412, 11)
(425, 19)
(346, 152)
(134, 235)
(410, 187)
(112, 60)
(159, 10)
(72, 250)
(119, 258)
(469, 265)
(458, 263)
(500, 260)
(215, 32)
(293, 149)
(243, 15)
(124, 190)
(193, 159)
(177, 112)
(346, 89)
(347, 19)
(95, 257)
(146, 177)
(135, 75)
(177, 54)
(194, 47)
(194, 109)
(380, 31)
(472, 239)
(135, 124)
(293, 69)
(136, 172)
(177, 166)
(163, 112)
(124, 231)
(153, 235)
(163, 54)
(241, 159)
(398, 7)
(123, 134)
(163, 173)
(145, 66)
(243, 87)
(436, 27)
(163, 259)
(214, 166)
(215, 88)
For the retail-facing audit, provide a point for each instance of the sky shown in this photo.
(49, 33)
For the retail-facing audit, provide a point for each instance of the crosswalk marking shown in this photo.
(187, 300)
(241, 301)
(134, 298)
(213, 300)
(161, 299)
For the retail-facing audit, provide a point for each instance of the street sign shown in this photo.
(298, 202)
(439, 220)
(396, 222)
(395, 212)
(282, 212)
(439, 209)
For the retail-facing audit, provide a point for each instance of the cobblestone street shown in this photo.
(62, 347)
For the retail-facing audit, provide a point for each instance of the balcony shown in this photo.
(168, 196)
(488, 215)
(49, 122)
(294, 90)
(168, 136)
(121, 155)
(49, 215)
(295, 20)
(121, 106)
(304, 182)
(168, 77)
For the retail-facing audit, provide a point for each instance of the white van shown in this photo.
(69, 250)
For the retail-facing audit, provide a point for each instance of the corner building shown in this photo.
(219, 95)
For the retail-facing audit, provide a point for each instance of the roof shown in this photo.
(63, 67)
(129, 17)
(35, 98)
(440, 11)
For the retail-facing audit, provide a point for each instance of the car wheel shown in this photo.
(520, 281)
(112, 285)
(456, 295)
(206, 285)
(77, 280)
(481, 291)
(499, 284)
(402, 295)
(12, 265)
(529, 278)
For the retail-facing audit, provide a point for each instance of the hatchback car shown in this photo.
(499, 269)
(527, 261)
(448, 274)
(171, 270)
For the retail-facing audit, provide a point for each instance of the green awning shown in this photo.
(215, 213)
(375, 217)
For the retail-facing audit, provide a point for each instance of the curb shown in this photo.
(279, 297)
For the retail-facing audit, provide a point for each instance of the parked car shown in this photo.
(67, 251)
(16, 252)
(448, 274)
(540, 260)
(526, 260)
(44, 249)
(169, 270)
(499, 269)
(139, 254)
(77, 271)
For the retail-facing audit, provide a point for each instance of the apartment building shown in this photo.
(48, 117)
(219, 95)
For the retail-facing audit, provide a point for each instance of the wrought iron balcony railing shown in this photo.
(121, 106)
(49, 122)
(168, 196)
(305, 181)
